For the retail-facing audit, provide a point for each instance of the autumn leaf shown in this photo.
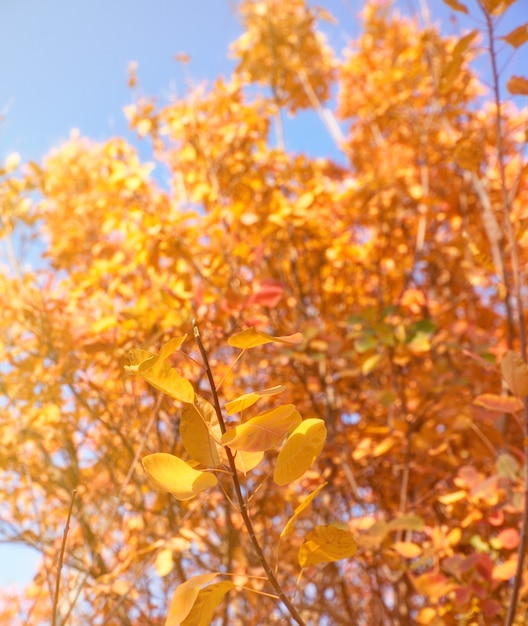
(288, 529)
(518, 36)
(202, 611)
(300, 450)
(263, 432)
(518, 85)
(172, 474)
(515, 372)
(200, 433)
(456, 6)
(248, 399)
(326, 544)
(156, 371)
(252, 337)
(499, 404)
(184, 598)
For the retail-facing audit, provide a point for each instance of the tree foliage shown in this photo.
(354, 312)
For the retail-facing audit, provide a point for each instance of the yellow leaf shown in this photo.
(515, 372)
(370, 364)
(497, 7)
(518, 86)
(164, 562)
(200, 432)
(172, 474)
(184, 598)
(326, 544)
(407, 549)
(208, 599)
(300, 450)
(263, 432)
(248, 399)
(518, 36)
(156, 371)
(246, 461)
(251, 337)
(452, 69)
(288, 529)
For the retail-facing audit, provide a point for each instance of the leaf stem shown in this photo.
(238, 490)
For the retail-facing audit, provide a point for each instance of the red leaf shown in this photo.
(267, 292)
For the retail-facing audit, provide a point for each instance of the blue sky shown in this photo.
(63, 65)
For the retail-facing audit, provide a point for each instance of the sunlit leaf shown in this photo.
(515, 372)
(248, 399)
(456, 6)
(172, 474)
(300, 450)
(202, 611)
(407, 549)
(246, 461)
(156, 371)
(406, 522)
(518, 36)
(497, 7)
(251, 337)
(164, 562)
(371, 363)
(518, 86)
(326, 544)
(184, 597)
(200, 433)
(288, 529)
(499, 404)
(263, 432)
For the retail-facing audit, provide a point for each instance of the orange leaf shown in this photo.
(456, 6)
(515, 372)
(518, 86)
(518, 36)
(499, 404)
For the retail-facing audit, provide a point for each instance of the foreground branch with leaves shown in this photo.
(375, 288)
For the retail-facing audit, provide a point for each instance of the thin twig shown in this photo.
(236, 484)
(61, 560)
(514, 259)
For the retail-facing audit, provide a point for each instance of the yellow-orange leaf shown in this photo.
(515, 372)
(202, 611)
(184, 598)
(300, 450)
(407, 549)
(456, 6)
(263, 432)
(518, 86)
(164, 562)
(156, 371)
(248, 399)
(326, 544)
(172, 474)
(246, 461)
(251, 337)
(499, 404)
(518, 36)
(200, 433)
(288, 529)
(497, 7)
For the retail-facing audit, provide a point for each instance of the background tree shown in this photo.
(395, 264)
